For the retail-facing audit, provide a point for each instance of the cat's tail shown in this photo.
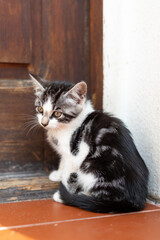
(95, 205)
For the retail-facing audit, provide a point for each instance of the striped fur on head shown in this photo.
(64, 97)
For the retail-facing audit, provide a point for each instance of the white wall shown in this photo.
(132, 75)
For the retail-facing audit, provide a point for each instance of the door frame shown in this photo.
(96, 53)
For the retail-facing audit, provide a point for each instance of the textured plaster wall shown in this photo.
(132, 75)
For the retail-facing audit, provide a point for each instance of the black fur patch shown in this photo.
(114, 160)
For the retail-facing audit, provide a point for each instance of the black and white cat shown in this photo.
(100, 168)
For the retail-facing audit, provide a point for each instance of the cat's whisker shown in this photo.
(36, 129)
(31, 119)
(32, 128)
(28, 116)
(29, 123)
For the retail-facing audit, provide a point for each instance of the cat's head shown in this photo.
(58, 103)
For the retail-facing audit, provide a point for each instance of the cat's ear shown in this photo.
(78, 93)
(38, 83)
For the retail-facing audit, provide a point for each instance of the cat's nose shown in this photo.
(44, 121)
(44, 124)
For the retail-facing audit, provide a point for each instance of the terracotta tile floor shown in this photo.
(47, 220)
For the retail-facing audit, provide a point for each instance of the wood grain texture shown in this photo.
(19, 151)
(65, 39)
(60, 40)
(13, 71)
(96, 55)
(51, 158)
(25, 187)
(37, 46)
(65, 36)
(15, 31)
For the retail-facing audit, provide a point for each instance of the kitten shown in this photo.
(100, 168)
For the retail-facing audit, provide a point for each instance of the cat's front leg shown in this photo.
(71, 186)
(57, 197)
(72, 183)
(56, 175)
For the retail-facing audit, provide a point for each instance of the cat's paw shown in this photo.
(57, 197)
(55, 176)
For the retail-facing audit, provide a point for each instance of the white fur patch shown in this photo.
(86, 180)
(72, 163)
(69, 162)
(82, 154)
(57, 197)
(47, 110)
(47, 106)
(55, 176)
(63, 134)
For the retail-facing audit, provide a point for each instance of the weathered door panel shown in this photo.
(60, 40)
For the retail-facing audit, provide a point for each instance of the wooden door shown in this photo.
(57, 39)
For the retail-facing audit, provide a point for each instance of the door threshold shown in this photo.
(26, 187)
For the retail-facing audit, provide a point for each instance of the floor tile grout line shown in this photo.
(74, 220)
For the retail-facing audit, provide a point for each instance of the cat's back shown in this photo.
(100, 129)
(109, 139)
(100, 126)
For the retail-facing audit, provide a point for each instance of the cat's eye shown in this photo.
(57, 114)
(40, 109)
